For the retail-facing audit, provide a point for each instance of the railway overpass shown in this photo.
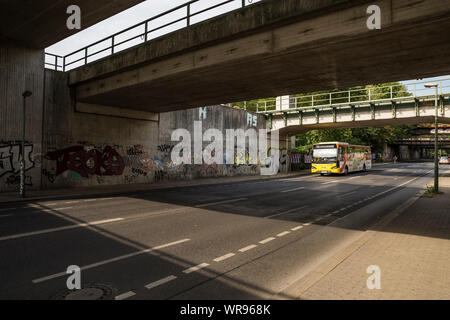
(367, 107)
(266, 49)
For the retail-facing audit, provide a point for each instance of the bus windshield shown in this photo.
(328, 155)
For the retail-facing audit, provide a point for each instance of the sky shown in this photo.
(151, 8)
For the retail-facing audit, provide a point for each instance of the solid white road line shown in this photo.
(160, 282)
(285, 212)
(224, 257)
(297, 228)
(334, 181)
(291, 190)
(126, 256)
(219, 202)
(80, 225)
(282, 234)
(267, 240)
(250, 247)
(196, 268)
(125, 295)
(8, 209)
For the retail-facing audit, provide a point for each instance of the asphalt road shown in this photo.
(244, 240)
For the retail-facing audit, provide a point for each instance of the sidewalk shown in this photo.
(412, 251)
(31, 195)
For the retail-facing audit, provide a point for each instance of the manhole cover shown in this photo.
(85, 294)
(88, 292)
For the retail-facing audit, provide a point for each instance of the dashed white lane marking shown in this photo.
(267, 240)
(224, 257)
(32, 207)
(5, 215)
(297, 228)
(307, 224)
(196, 268)
(80, 225)
(126, 256)
(334, 181)
(250, 247)
(347, 194)
(292, 190)
(160, 282)
(125, 295)
(219, 202)
(285, 212)
(353, 177)
(282, 234)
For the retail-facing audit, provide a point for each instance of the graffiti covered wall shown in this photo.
(87, 145)
(10, 157)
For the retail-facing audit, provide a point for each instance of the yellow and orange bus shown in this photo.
(340, 158)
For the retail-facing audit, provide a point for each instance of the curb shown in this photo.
(143, 190)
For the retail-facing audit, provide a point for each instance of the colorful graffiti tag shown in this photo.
(101, 162)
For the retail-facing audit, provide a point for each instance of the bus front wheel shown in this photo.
(346, 171)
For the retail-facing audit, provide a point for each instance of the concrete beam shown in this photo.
(39, 24)
(326, 49)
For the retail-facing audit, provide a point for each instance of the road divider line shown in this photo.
(282, 234)
(160, 282)
(297, 228)
(334, 181)
(79, 225)
(224, 257)
(6, 209)
(307, 224)
(349, 193)
(292, 190)
(101, 263)
(196, 268)
(285, 212)
(125, 295)
(250, 247)
(267, 240)
(219, 202)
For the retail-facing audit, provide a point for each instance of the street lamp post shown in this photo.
(436, 129)
(25, 95)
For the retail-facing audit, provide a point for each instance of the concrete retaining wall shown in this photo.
(88, 145)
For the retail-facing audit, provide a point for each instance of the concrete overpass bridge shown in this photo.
(368, 107)
(266, 49)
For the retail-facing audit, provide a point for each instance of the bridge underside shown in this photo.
(40, 23)
(325, 52)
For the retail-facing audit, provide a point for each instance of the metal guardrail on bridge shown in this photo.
(363, 96)
(139, 33)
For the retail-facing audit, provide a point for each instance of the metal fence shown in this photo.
(364, 95)
(178, 17)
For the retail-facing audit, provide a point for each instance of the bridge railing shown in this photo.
(344, 98)
(176, 18)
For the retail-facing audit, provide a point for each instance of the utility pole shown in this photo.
(436, 137)
(25, 95)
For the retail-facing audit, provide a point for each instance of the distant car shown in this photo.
(444, 160)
